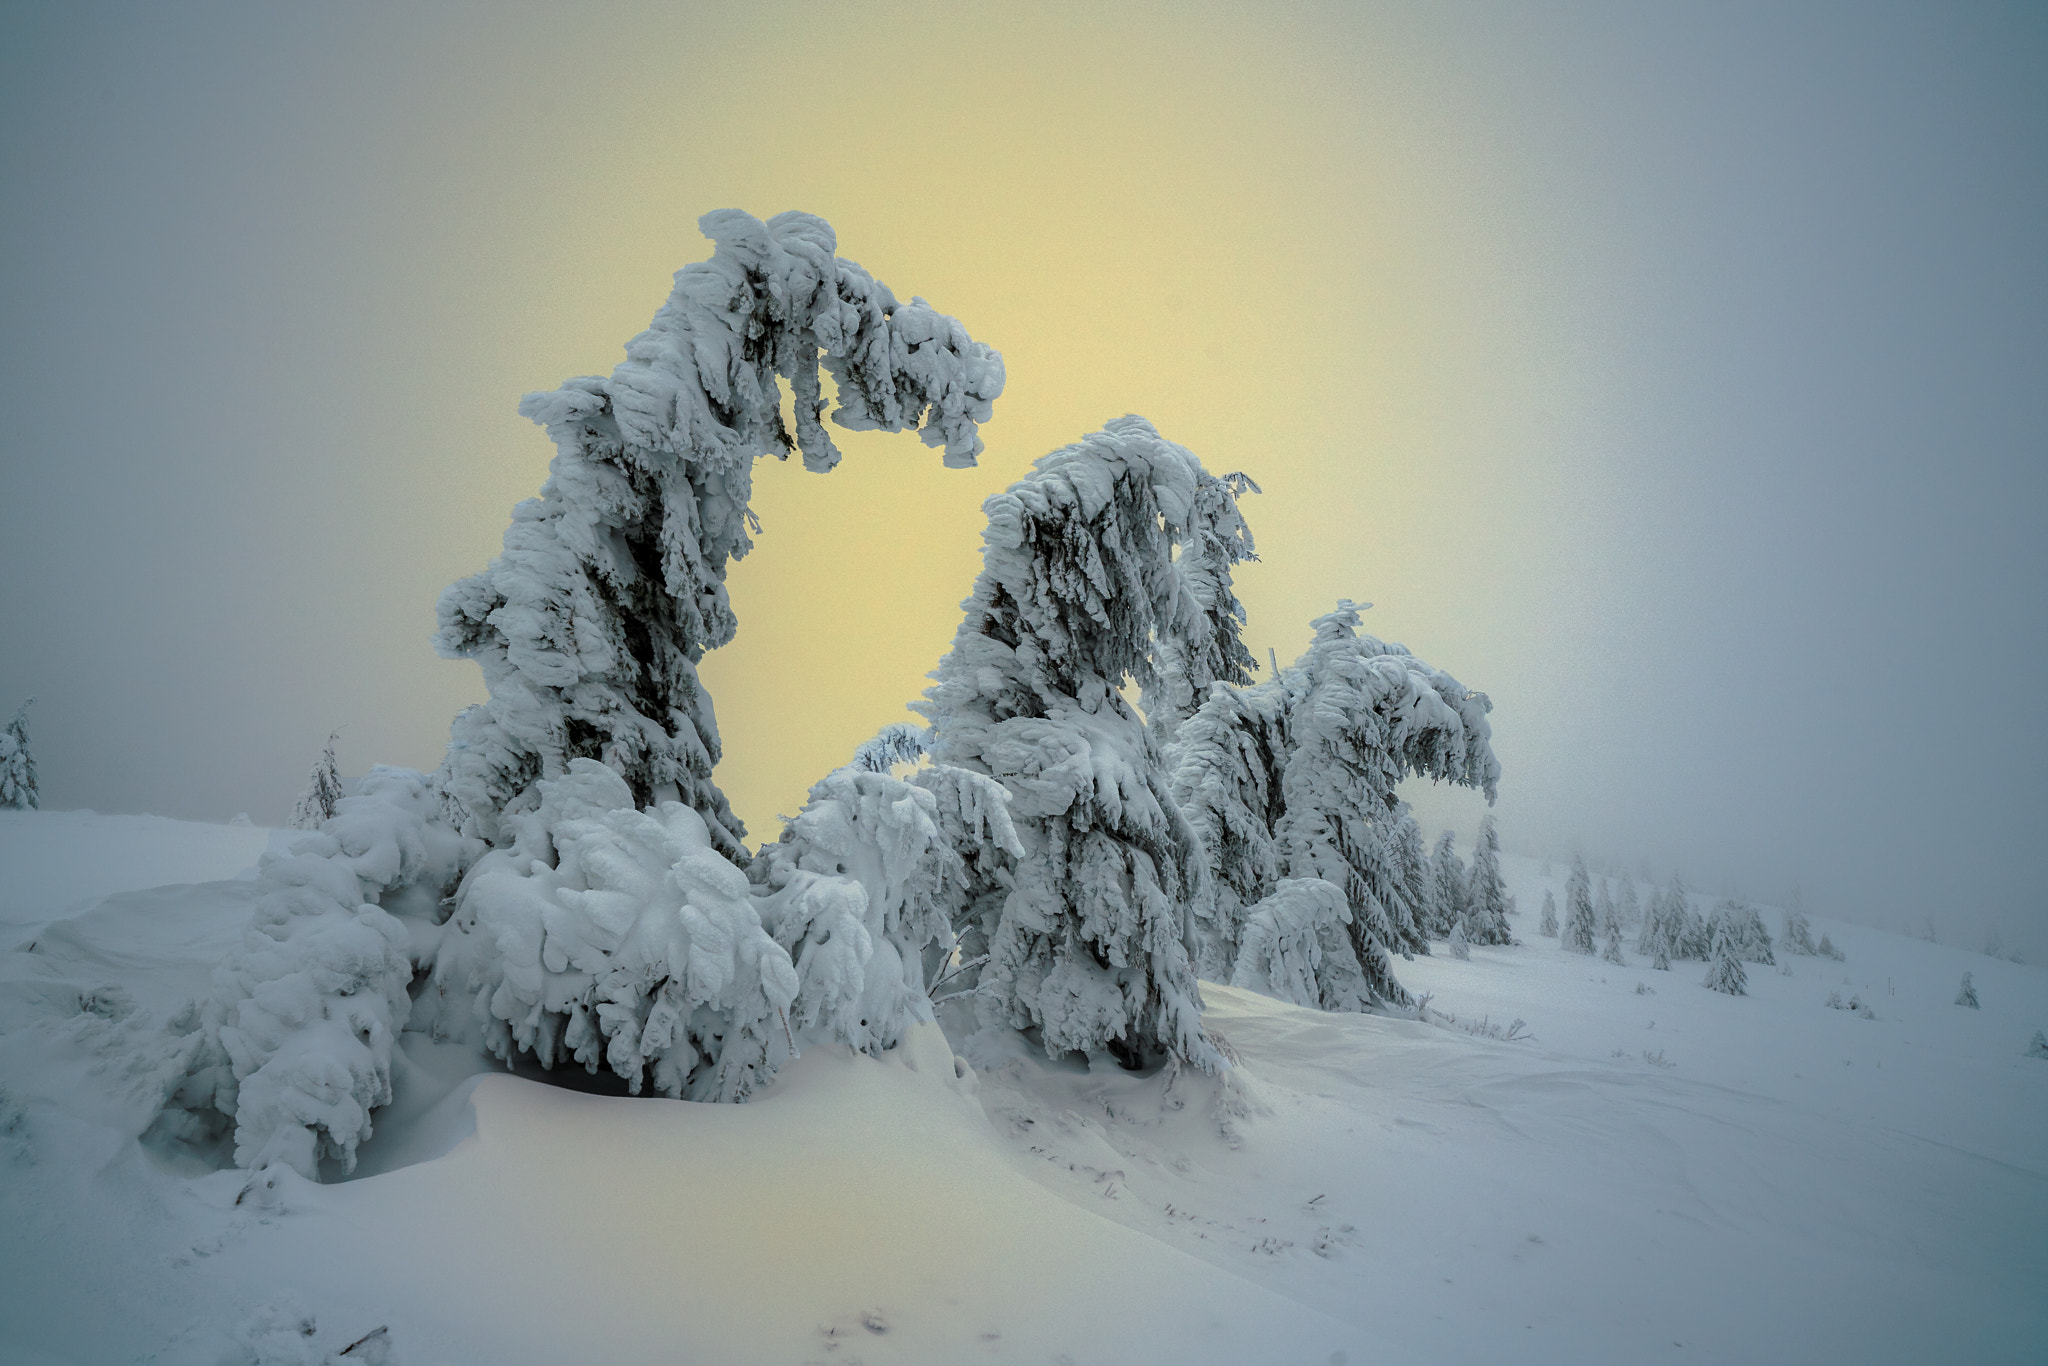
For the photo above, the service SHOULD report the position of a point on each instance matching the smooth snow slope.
(54, 862)
(1786, 1182)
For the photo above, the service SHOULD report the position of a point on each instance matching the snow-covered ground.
(1666, 1175)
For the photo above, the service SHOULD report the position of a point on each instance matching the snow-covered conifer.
(1186, 665)
(2038, 1047)
(1295, 948)
(1612, 953)
(1628, 911)
(1604, 912)
(1092, 948)
(1745, 927)
(323, 791)
(1548, 925)
(1486, 897)
(1579, 924)
(611, 586)
(1447, 886)
(1797, 935)
(1411, 864)
(1724, 972)
(17, 765)
(1826, 948)
(1967, 996)
(1295, 778)
(1661, 958)
(297, 1034)
(1460, 947)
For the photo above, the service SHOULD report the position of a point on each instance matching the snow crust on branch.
(1296, 948)
(611, 586)
(296, 1038)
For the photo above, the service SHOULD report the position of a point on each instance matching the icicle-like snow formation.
(611, 586)
(1077, 582)
(296, 1039)
(1295, 778)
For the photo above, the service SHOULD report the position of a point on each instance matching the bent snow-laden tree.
(611, 586)
(1295, 778)
(1091, 947)
(1185, 665)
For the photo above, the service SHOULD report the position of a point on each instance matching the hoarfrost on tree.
(1577, 934)
(323, 791)
(17, 765)
(1724, 971)
(1092, 943)
(611, 586)
(1486, 894)
(1296, 778)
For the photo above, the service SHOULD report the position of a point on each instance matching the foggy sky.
(1678, 375)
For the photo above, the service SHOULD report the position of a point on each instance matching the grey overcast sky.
(1678, 374)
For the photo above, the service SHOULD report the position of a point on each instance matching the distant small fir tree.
(1578, 910)
(1661, 960)
(1612, 953)
(2039, 1047)
(17, 765)
(1549, 923)
(1968, 995)
(1827, 949)
(1724, 972)
(323, 789)
(1460, 947)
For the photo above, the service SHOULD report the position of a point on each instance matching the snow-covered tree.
(17, 765)
(1486, 894)
(1333, 734)
(1093, 944)
(1184, 666)
(2038, 1046)
(1826, 948)
(1447, 886)
(1797, 935)
(1579, 923)
(1228, 759)
(1459, 946)
(1628, 911)
(1604, 912)
(323, 791)
(1296, 948)
(1548, 925)
(1724, 971)
(296, 1036)
(1745, 928)
(1612, 953)
(1660, 957)
(1967, 996)
(611, 586)
(1411, 863)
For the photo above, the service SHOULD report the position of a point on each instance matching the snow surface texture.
(1664, 1175)
(611, 586)
(1092, 947)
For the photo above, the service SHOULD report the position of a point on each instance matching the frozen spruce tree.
(1627, 910)
(1745, 927)
(1724, 970)
(611, 585)
(1486, 897)
(1579, 923)
(1548, 925)
(1612, 953)
(2038, 1046)
(323, 791)
(1604, 911)
(1968, 995)
(1796, 935)
(17, 765)
(1093, 945)
(1459, 946)
(1447, 887)
(1295, 778)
